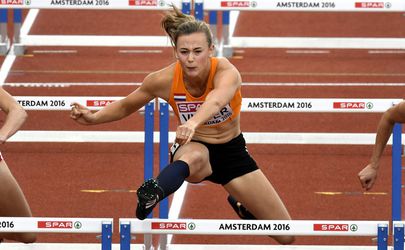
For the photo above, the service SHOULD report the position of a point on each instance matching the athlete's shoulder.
(162, 76)
(224, 64)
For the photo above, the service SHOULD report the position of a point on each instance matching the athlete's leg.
(13, 203)
(240, 210)
(191, 163)
(196, 155)
(257, 194)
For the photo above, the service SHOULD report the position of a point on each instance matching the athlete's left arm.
(227, 81)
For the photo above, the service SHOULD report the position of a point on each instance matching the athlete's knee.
(198, 163)
(195, 157)
(285, 240)
(198, 176)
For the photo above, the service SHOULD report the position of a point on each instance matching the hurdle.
(149, 137)
(4, 39)
(225, 48)
(101, 226)
(248, 105)
(22, 39)
(251, 227)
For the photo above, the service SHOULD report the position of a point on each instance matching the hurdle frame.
(248, 105)
(226, 46)
(20, 41)
(245, 227)
(60, 225)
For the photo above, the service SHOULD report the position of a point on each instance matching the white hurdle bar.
(249, 227)
(91, 4)
(24, 39)
(304, 5)
(248, 104)
(59, 225)
(229, 42)
(309, 105)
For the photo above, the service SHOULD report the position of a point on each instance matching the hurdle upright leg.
(382, 237)
(163, 151)
(186, 7)
(163, 161)
(396, 172)
(4, 46)
(148, 146)
(148, 153)
(17, 20)
(125, 235)
(213, 21)
(398, 235)
(106, 236)
(226, 47)
(199, 9)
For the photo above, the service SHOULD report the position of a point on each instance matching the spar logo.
(372, 5)
(188, 107)
(352, 105)
(143, 2)
(335, 227)
(98, 103)
(12, 2)
(77, 225)
(169, 226)
(55, 224)
(241, 4)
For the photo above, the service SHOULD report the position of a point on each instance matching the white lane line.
(140, 51)
(6, 66)
(62, 84)
(66, 51)
(307, 51)
(386, 51)
(233, 19)
(29, 21)
(176, 205)
(309, 84)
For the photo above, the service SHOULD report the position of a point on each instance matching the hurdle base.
(4, 47)
(227, 51)
(19, 49)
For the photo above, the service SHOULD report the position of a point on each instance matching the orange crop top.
(185, 105)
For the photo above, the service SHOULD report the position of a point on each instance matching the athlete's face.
(193, 53)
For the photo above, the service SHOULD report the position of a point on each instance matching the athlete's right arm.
(15, 118)
(118, 109)
(395, 114)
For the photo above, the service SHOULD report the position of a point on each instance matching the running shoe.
(240, 210)
(149, 194)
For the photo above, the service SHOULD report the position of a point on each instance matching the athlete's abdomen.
(218, 134)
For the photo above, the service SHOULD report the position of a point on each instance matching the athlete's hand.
(367, 176)
(185, 133)
(81, 114)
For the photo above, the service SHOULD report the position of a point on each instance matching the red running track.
(53, 174)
